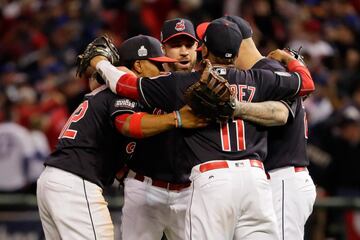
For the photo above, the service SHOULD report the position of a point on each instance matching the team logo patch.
(228, 55)
(142, 52)
(130, 148)
(180, 26)
(221, 71)
(283, 74)
(125, 103)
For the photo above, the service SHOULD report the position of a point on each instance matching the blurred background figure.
(22, 153)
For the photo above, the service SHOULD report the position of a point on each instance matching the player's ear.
(196, 44)
(138, 66)
(204, 51)
(163, 49)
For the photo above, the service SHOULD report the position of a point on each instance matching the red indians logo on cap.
(180, 26)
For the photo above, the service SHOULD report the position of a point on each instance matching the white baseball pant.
(230, 200)
(72, 208)
(150, 211)
(294, 196)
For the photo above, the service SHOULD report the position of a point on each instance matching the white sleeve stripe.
(122, 111)
(288, 107)
(109, 73)
(142, 93)
(299, 83)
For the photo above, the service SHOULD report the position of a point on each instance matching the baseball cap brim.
(162, 59)
(201, 29)
(179, 34)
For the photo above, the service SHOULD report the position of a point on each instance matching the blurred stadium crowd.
(40, 40)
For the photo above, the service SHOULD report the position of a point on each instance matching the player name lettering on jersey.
(125, 103)
(244, 93)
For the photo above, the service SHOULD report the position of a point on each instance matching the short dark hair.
(128, 63)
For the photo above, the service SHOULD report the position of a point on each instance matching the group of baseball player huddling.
(187, 173)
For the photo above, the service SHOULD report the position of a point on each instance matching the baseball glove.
(211, 97)
(296, 54)
(100, 46)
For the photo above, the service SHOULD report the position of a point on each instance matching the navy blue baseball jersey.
(232, 140)
(154, 156)
(293, 133)
(90, 145)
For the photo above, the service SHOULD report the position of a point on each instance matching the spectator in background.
(335, 150)
(344, 147)
(20, 162)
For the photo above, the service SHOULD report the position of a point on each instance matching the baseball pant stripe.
(88, 206)
(192, 195)
(283, 210)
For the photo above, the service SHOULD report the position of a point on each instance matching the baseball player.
(180, 43)
(225, 158)
(293, 189)
(89, 153)
(156, 191)
(87, 157)
(162, 178)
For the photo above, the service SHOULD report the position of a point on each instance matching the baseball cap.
(243, 25)
(143, 47)
(221, 37)
(176, 27)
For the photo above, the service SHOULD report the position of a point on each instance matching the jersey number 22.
(78, 114)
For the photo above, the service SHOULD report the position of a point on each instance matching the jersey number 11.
(225, 128)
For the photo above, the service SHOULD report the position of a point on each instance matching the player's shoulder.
(160, 79)
(177, 78)
(163, 75)
(98, 92)
(103, 97)
(237, 76)
(269, 64)
(184, 75)
(14, 129)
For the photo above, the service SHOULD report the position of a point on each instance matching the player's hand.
(97, 59)
(190, 120)
(100, 46)
(281, 56)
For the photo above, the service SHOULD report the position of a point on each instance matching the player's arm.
(159, 92)
(142, 125)
(295, 66)
(120, 81)
(269, 113)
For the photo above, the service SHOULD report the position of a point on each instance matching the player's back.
(293, 133)
(237, 139)
(232, 140)
(89, 145)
